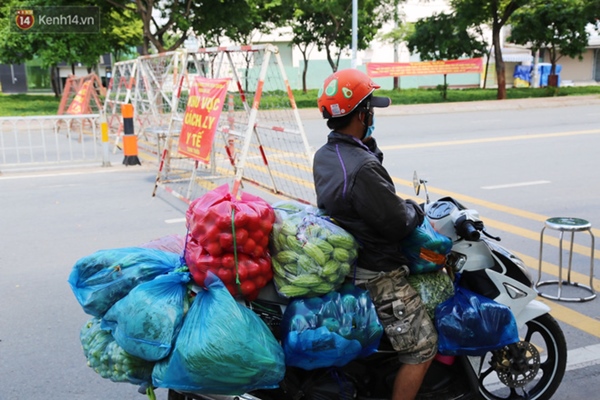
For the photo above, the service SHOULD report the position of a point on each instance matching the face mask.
(370, 128)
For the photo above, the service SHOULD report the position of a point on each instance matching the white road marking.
(512, 185)
(98, 171)
(174, 220)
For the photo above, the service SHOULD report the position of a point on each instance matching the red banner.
(379, 70)
(201, 117)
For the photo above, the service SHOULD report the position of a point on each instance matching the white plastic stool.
(565, 224)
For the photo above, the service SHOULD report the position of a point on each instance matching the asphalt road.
(516, 165)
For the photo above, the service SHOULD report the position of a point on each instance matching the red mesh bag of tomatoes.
(230, 237)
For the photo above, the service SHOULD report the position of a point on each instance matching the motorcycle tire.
(521, 380)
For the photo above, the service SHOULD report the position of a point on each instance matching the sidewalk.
(450, 107)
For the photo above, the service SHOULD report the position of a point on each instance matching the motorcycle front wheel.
(535, 373)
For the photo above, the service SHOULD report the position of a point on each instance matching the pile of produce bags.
(169, 313)
(156, 325)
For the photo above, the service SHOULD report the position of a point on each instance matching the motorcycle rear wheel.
(544, 334)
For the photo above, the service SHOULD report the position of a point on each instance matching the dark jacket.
(356, 190)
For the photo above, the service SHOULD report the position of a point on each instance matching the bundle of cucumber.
(310, 254)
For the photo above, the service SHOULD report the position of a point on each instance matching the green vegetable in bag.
(311, 255)
(433, 287)
(108, 359)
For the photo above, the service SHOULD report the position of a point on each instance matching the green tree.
(329, 24)
(117, 33)
(397, 35)
(302, 23)
(444, 37)
(556, 25)
(496, 14)
(166, 24)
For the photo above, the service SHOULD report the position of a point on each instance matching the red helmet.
(344, 90)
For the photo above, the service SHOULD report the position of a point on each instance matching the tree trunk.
(500, 69)
(53, 82)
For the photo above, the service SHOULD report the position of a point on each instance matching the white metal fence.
(50, 141)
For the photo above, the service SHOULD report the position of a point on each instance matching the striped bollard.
(130, 147)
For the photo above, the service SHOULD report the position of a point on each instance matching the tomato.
(226, 275)
(265, 266)
(249, 246)
(242, 271)
(214, 249)
(260, 281)
(223, 222)
(241, 235)
(248, 287)
(266, 225)
(226, 240)
(253, 268)
(228, 261)
(240, 219)
(265, 241)
(254, 223)
(256, 235)
(258, 251)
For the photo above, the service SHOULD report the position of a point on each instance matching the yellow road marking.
(568, 316)
(489, 140)
(552, 269)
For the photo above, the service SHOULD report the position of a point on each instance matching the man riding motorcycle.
(354, 188)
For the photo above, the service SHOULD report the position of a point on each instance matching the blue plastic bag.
(471, 324)
(146, 322)
(425, 248)
(222, 348)
(331, 330)
(101, 279)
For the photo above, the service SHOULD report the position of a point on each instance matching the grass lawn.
(28, 104)
(32, 104)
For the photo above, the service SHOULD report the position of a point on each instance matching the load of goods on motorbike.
(173, 313)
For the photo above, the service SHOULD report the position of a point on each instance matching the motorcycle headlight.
(456, 261)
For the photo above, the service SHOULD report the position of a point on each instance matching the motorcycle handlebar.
(467, 229)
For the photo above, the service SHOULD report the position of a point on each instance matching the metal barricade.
(50, 141)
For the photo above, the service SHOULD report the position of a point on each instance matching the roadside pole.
(104, 137)
(535, 76)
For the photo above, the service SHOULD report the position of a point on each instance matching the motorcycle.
(532, 368)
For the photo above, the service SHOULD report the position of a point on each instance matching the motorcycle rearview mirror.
(417, 185)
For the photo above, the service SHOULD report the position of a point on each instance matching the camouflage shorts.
(403, 316)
